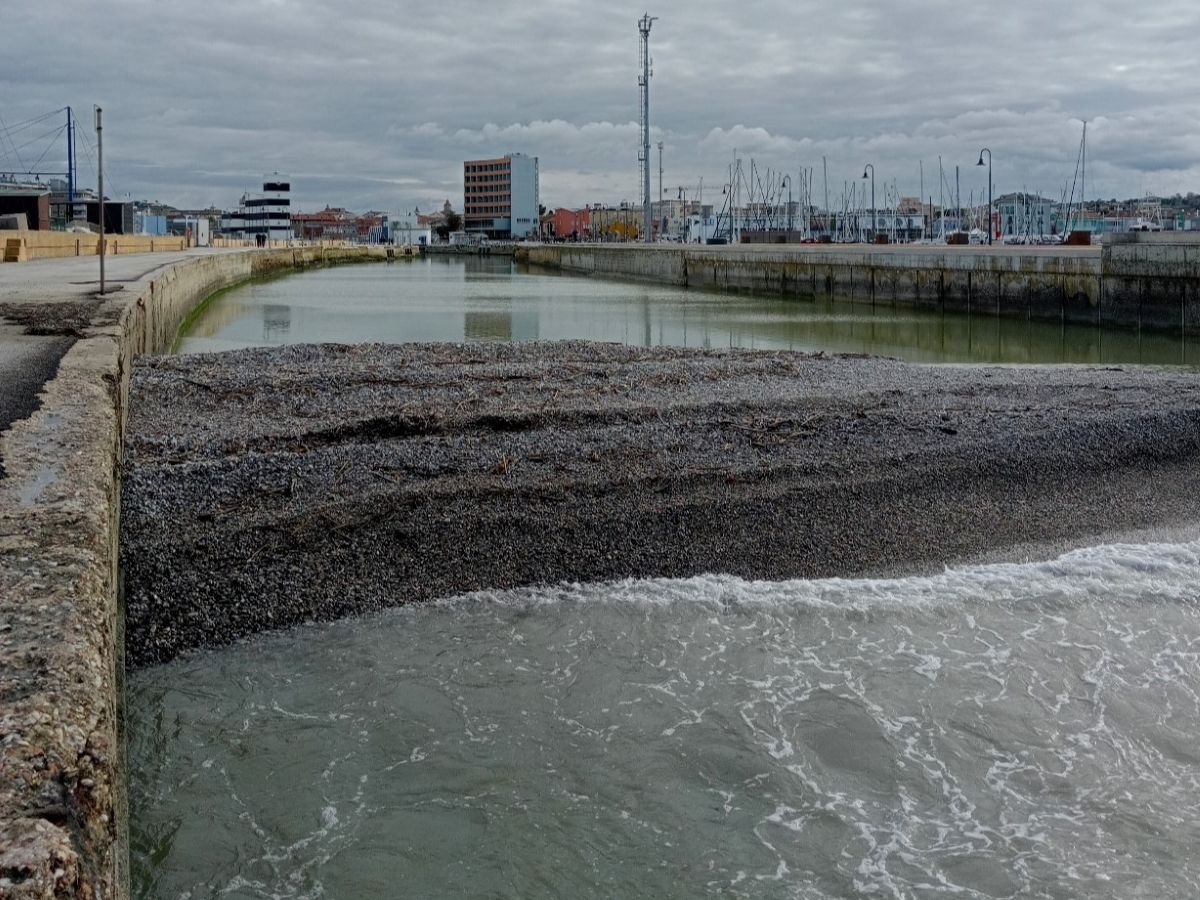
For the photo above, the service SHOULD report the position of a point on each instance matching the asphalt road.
(45, 306)
(26, 363)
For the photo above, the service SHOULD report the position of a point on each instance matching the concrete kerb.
(63, 822)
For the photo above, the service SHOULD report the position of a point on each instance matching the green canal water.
(1022, 729)
(492, 299)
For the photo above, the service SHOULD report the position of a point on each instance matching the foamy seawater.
(1011, 730)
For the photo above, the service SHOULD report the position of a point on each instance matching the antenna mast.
(644, 82)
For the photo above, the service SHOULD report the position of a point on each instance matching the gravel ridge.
(268, 487)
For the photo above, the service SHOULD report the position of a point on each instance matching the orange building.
(570, 224)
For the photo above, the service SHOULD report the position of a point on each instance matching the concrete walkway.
(45, 305)
(62, 783)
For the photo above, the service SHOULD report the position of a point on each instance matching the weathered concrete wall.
(1139, 284)
(1153, 279)
(62, 789)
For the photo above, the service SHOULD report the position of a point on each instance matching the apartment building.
(500, 196)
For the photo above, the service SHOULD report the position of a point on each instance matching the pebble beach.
(268, 487)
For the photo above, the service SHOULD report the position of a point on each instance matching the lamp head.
(980, 163)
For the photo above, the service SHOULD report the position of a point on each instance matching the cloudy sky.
(376, 104)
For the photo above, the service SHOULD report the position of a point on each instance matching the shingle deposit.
(268, 487)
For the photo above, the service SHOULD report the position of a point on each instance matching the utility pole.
(644, 81)
(100, 188)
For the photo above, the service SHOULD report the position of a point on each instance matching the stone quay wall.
(1134, 281)
(63, 819)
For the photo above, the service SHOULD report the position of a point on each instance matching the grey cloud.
(375, 105)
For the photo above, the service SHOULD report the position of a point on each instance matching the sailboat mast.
(825, 174)
(70, 164)
(941, 201)
(1083, 173)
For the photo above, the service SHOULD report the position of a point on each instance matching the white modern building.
(701, 228)
(268, 214)
(409, 231)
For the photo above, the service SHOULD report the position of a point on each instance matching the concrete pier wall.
(1153, 278)
(1141, 283)
(63, 823)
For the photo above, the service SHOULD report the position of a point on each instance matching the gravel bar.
(268, 487)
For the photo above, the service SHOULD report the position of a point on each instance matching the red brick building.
(330, 224)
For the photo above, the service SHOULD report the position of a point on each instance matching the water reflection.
(277, 322)
(491, 299)
(499, 325)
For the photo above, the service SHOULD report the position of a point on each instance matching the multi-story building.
(371, 227)
(268, 214)
(1025, 215)
(616, 223)
(500, 196)
(328, 224)
(409, 229)
(568, 224)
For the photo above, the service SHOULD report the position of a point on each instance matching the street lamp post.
(980, 163)
(872, 168)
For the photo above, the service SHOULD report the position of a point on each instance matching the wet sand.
(269, 487)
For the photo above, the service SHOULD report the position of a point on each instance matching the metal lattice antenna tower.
(644, 81)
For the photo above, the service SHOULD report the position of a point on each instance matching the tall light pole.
(872, 168)
(980, 163)
(100, 187)
(644, 81)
